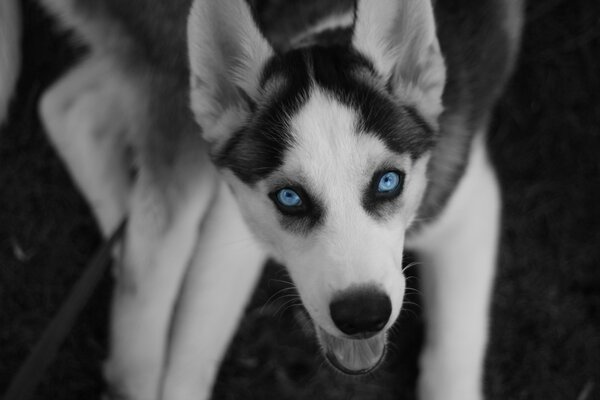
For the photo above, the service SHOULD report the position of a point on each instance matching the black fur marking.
(304, 219)
(256, 150)
(379, 204)
(336, 70)
(419, 120)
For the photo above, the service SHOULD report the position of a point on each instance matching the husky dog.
(330, 159)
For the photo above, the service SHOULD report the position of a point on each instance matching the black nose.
(363, 310)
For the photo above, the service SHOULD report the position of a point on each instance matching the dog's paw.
(443, 378)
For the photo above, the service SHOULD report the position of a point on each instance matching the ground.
(545, 333)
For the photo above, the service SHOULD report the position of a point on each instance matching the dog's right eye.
(290, 201)
(288, 198)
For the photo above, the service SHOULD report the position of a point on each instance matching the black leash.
(29, 375)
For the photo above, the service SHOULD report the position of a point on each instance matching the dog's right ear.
(227, 53)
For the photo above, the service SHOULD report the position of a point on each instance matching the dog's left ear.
(227, 53)
(400, 37)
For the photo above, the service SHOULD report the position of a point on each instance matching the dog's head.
(326, 151)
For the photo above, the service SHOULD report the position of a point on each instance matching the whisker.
(282, 307)
(412, 264)
(411, 312)
(281, 281)
(291, 304)
(411, 303)
(275, 296)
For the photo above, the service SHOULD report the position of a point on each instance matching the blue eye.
(388, 182)
(288, 198)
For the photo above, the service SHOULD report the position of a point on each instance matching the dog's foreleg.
(459, 251)
(86, 116)
(219, 281)
(161, 234)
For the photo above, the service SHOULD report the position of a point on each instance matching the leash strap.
(29, 375)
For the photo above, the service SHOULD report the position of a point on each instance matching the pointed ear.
(400, 37)
(227, 53)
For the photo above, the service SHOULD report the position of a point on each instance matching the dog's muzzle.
(360, 314)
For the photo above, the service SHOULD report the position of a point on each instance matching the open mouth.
(353, 356)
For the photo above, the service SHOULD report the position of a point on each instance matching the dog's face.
(328, 164)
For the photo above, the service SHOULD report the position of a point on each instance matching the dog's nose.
(361, 311)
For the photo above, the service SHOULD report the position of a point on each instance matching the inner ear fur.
(400, 37)
(226, 54)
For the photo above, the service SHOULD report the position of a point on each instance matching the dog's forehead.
(329, 145)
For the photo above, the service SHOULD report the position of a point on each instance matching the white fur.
(221, 276)
(10, 34)
(159, 243)
(91, 116)
(334, 21)
(83, 116)
(331, 22)
(459, 251)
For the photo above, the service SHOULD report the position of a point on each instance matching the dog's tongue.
(351, 356)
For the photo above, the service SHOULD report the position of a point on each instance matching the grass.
(545, 333)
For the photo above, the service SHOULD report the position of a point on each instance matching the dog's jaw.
(353, 356)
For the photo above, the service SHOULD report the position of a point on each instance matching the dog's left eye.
(386, 185)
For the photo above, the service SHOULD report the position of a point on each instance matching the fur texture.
(325, 123)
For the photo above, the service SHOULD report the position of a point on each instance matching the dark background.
(545, 335)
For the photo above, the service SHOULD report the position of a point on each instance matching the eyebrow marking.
(258, 148)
